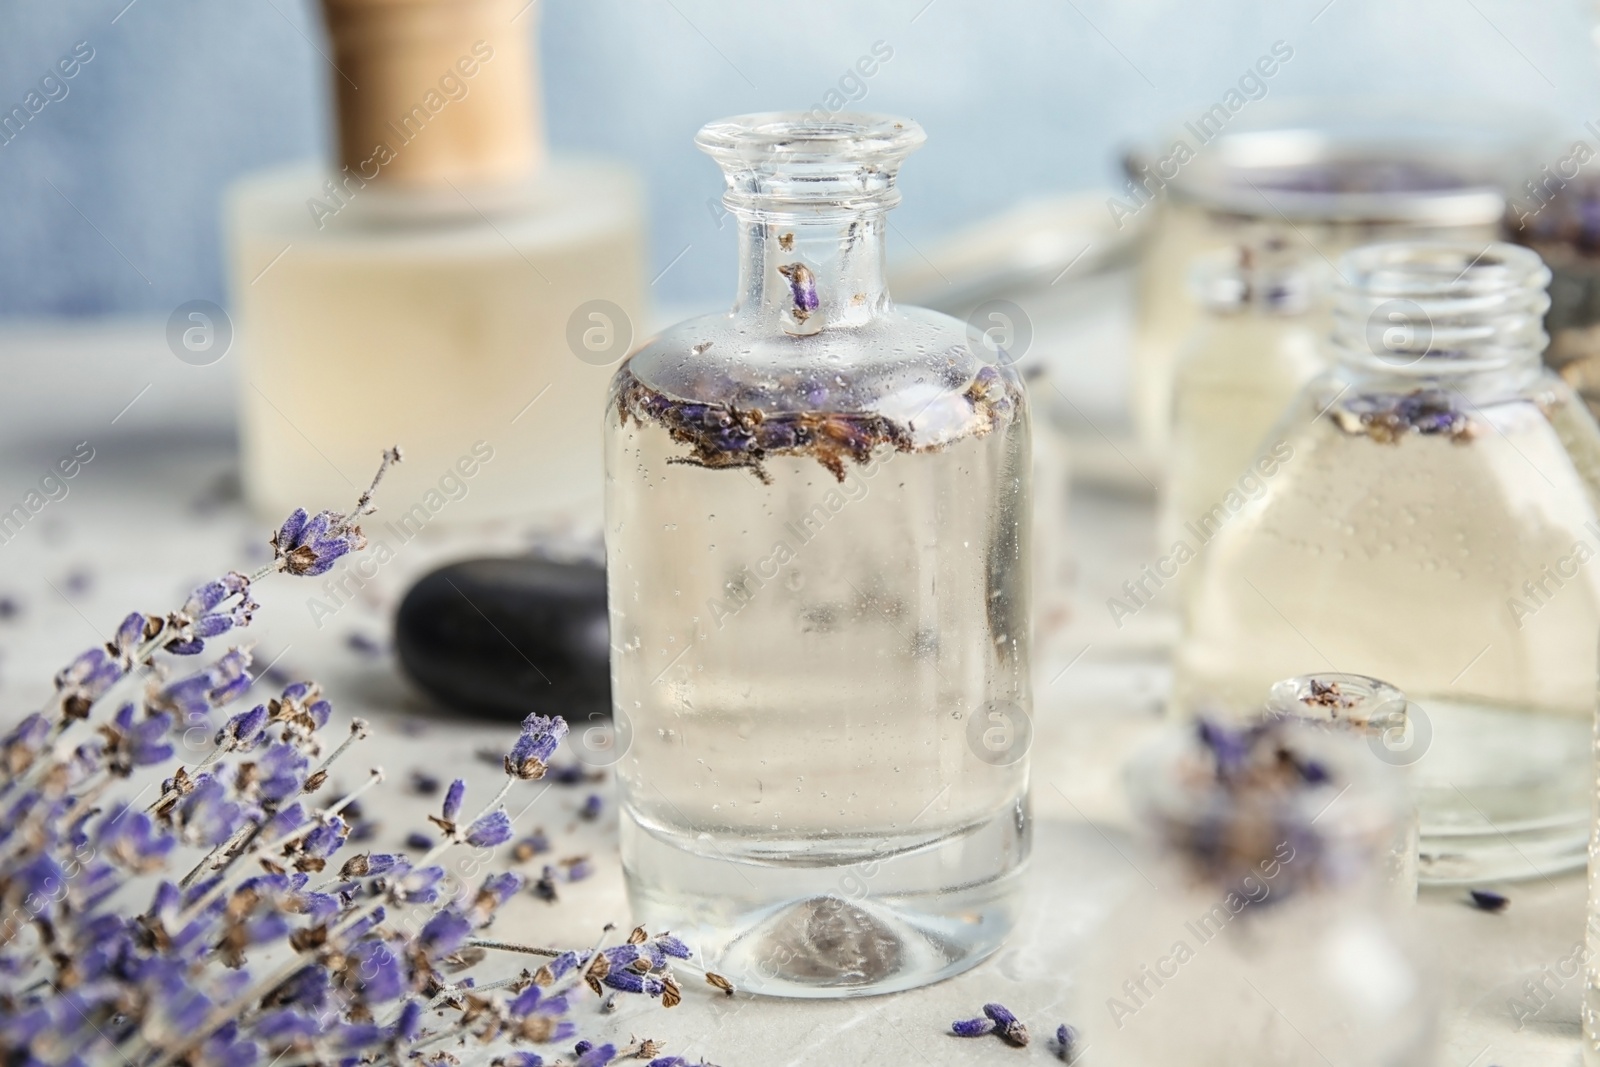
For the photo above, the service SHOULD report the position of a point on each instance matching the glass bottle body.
(817, 554)
(1429, 524)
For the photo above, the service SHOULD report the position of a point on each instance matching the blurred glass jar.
(1261, 930)
(1430, 523)
(1561, 222)
(1327, 176)
(1251, 353)
(1377, 714)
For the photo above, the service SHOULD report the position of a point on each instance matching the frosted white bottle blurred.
(449, 289)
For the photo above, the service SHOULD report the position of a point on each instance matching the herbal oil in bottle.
(1253, 351)
(1434, 526)
(817, 518)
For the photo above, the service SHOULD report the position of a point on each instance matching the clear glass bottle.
(817, 510)
(1254, 350)
(1258, 928)
(1377, 714)
(447, 287)
(1431, 522)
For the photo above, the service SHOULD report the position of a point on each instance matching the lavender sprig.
(279, 945)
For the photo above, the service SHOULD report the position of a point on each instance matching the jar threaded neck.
(1429, 309)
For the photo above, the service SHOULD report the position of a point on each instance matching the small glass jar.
(1252, 352)
(1325, 175)
(817, 510)
(1377, 714)
(1258, 929)
(1431, 522)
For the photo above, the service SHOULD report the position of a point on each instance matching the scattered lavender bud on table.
(971, 1027)
(423, 784)
(1066, 1042)
(1007, 1025)
(1488, 900)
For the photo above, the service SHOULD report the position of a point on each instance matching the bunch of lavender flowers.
(220, 918)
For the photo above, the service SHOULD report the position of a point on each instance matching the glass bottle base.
(869, 917)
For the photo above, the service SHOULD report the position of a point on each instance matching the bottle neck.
(1456, 314)
(811, 271)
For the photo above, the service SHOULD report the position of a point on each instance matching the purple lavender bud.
(452, 799)
(128, 635)
(309, 547)
(86, 677)
(1230, 747)
(286, 821)
(285, 1026)
(564, 963)
(581, 1047)
(352, 1037)
(146, 743)
(245, 728)
(501, 887)
(130, 839)
(598, 1056)
(383, 862)
(420, 841)
(971, 1027)
(668, 1061)
(579, 869)
(673, 947)
(490, 830)
(193, 697)
(592, 806)
(443, 934)
(1488, 900)
(630, 981)
(326, 839)
(408, 1026)
(424, 784)
(520, 1059)
(207, 816)
(530, 756)
(1007, 1025)
(281, 771)
(270, 926)
(422, 884)
(802, 287)
(319, 710)
(525, 1002)
(375, 972)
(1066, 1042)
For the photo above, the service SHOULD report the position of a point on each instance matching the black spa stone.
(501, 638)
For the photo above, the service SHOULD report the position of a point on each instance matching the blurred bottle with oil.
(445, 285)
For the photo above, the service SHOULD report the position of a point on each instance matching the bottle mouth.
(790, 160)
(1425, 308)
(1367, 707)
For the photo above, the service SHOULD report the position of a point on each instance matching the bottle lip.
(790, 162)
(1356, 703)
(797, 137)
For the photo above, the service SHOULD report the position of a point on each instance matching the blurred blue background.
(109, 195)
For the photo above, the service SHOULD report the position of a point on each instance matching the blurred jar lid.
(1349, 160)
